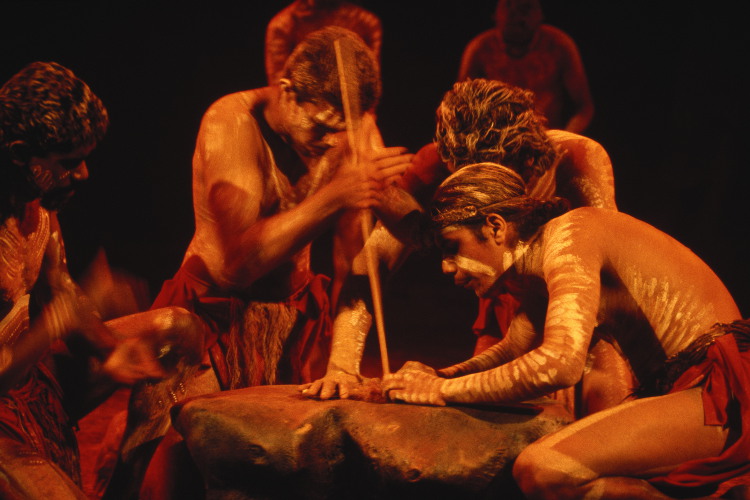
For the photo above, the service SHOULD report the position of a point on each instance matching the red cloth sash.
(726, 401)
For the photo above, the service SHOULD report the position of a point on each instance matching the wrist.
(446, 389)
(343, 368)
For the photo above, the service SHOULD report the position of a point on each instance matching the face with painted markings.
(476, 256)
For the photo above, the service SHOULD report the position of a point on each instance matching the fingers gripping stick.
(352, 115)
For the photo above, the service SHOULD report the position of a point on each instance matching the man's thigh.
(640, 438)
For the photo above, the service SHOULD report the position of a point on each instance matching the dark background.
(667, 78)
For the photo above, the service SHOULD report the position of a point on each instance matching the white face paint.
(314, 128)
(475, 264)
(475, 267)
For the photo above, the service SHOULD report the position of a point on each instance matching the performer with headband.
(578, 275)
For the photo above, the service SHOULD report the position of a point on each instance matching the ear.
(498, 227)
(20, 153)
(286, 85)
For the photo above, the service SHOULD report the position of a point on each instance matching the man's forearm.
(273, 240)
(350, 327)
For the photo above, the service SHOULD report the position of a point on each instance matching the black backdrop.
(667, 78)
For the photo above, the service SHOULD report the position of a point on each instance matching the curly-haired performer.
(57, 358)
(579, 274)
(487, 120)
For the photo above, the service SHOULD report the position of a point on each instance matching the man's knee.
(180, 319)
(542, 473)
(185, 329)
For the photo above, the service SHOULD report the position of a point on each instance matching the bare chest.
(22, 245)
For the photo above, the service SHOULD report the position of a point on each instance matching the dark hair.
(475, 191)
(312, 68)
(50, 109)
(483, 120)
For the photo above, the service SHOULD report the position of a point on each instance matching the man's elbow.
(566, 376)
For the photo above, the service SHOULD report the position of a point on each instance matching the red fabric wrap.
(308, 344)
(725, 376)
(495, 315)
(33, 416)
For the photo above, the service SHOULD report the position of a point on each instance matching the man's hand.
(361, 186)
(386, 165)
(414, 383)
(133, 360)
(332, 384)
(154, 344)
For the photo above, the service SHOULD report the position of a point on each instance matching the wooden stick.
(354, 132)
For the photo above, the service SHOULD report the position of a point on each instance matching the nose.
(449, 266)
(81, 172)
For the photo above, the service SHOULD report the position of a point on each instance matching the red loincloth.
(33, 420)
(308, 346)
(725, 376)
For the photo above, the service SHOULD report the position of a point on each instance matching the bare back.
(592, 270)
(627, 279)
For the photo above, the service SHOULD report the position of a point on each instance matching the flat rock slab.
(272, 442)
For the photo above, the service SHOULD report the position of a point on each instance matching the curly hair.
(475, 191)
(484, 120)
(47, 108)
(50, 109)
(313, 70)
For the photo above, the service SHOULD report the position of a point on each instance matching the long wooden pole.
(354, 132)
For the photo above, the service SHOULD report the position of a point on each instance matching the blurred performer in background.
(58, 359)
(522, 51)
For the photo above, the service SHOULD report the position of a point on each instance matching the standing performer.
(522, 51)
(578, 275)
(270, 173)
(58, 360)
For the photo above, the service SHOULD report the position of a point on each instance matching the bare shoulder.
(570, 140)
(579, 152)
(231, 106)
(557, 37)
(577, 237)
(230, 146)
(584, 222)
(482, 40)
(602, 223)
(228, 119)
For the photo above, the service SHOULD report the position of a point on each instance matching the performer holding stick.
(272, 171)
